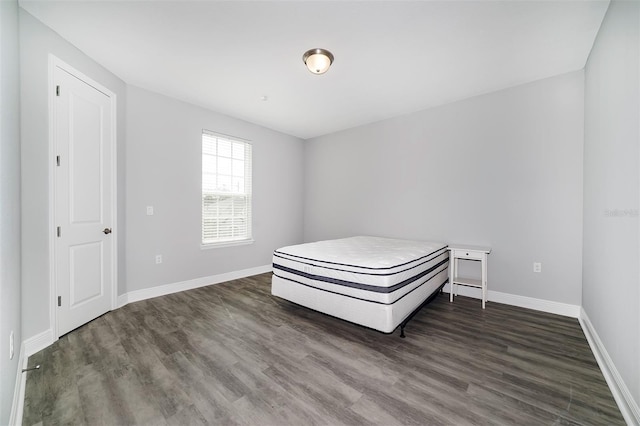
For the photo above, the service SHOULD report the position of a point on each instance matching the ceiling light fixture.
(318, 60)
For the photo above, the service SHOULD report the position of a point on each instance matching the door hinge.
(58, 160)
(58, 231)
(57, 90)
(59, 300)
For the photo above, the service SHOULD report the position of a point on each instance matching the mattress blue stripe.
(368, 287)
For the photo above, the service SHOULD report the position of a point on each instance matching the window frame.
(247, 193)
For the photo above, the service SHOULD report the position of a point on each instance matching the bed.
(372, 281)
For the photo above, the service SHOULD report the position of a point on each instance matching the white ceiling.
(391, 57)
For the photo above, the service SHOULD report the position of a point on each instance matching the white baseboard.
(148, 293)
(628, 406)
(27, 348)
(38, 342)
(548, 306)
(17, 407)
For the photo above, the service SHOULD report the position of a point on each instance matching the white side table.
(475, 253)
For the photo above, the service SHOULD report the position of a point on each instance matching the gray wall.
(10, 316)
(36, 42)
(164, 159)
(611, 289)
(503, 169)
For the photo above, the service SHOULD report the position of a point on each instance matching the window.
(226, 189)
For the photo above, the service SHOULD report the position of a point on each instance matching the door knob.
(107, 230)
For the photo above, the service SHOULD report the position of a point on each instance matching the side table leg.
(484, 280)
(451, 275)
(455, 271)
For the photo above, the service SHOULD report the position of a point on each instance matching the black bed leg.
(415, 311)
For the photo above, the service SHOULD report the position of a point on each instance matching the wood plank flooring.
(234, 354)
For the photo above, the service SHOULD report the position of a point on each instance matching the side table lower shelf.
(468, 282)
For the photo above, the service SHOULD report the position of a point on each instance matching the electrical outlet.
(11, 347)
(158, 259)
(537, 267)
(149, 210)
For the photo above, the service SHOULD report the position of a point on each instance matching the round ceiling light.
(318, 61)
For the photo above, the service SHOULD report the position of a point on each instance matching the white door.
(82, 120)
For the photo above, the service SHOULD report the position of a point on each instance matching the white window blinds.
(226, 189)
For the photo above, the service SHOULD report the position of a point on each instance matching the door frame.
(54, 63)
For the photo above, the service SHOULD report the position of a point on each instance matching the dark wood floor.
(233, 354)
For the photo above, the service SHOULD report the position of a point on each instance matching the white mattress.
(369, 268)
(372, 281)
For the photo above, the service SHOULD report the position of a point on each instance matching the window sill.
(226, 244)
